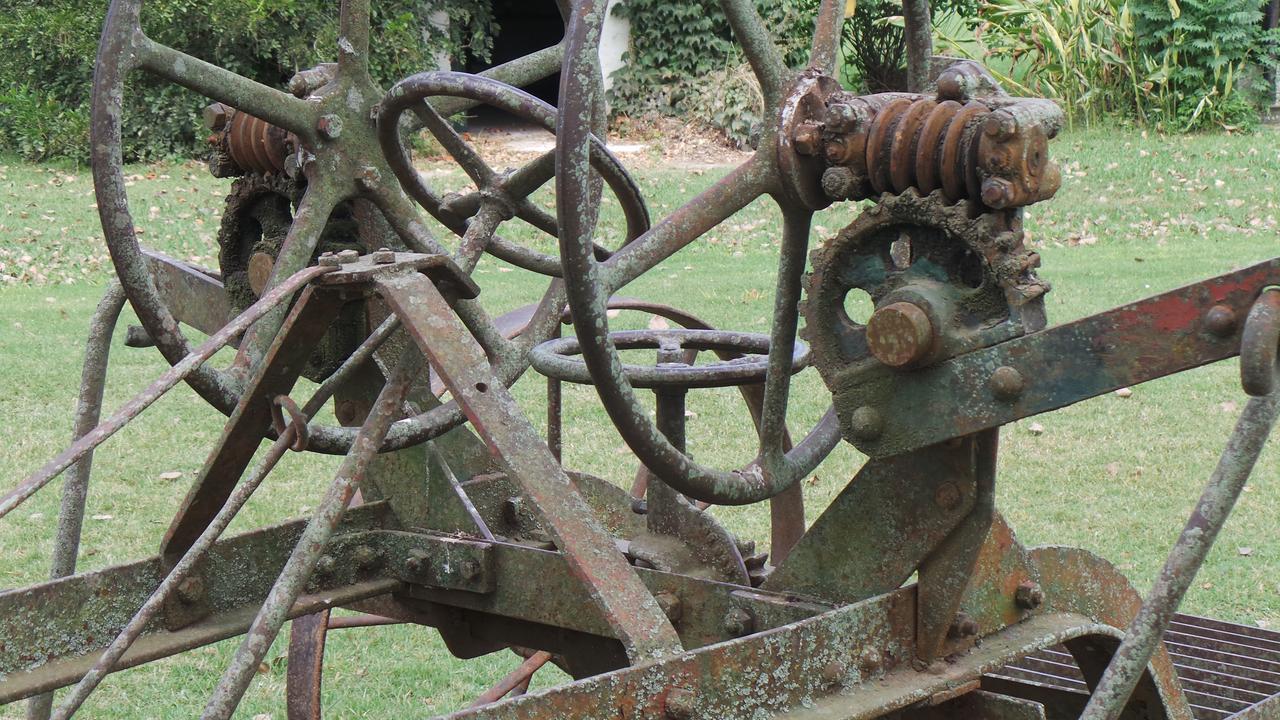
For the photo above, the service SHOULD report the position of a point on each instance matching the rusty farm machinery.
(909, 597)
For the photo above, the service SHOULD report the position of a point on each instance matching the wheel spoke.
(763, 55)
(519, 72)
(694, 219)
(406, 222)
(826, 36)
(353, 36)
(460, 150)
(263, 102)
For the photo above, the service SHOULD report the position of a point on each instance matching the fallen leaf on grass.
(1035, 429)
(1246, 551)
(104, 517)
(1124, 393)
(170, 475)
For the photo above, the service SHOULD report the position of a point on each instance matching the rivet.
(866, 423)
(833, 672)
(1007, 383)
(963, 626)
(1220, 320)
(947, 496)
(326, 565)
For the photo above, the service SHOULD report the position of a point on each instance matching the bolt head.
(469, 569)
(1007, 383)
(1029, 595)
(1000, 126)
(997, 193)
(842, 118)
(215, 116)
(329, 126)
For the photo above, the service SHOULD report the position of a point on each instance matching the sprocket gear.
(969, 268)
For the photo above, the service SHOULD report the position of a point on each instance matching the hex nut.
(806, 139)
(670, 604)
(328, 259)
(216, 116)
(383, 256)
(839, 183)
(1029, 595)
(366, 558)
(346, 257)
(329, 126)
(680, 704)
(739, 622)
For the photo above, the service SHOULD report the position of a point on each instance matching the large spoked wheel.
(341, 157)
(777, 170)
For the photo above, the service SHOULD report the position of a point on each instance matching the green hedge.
(47, 50)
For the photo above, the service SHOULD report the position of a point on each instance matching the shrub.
(1207, 56)
(683, 60)
(47, 50)
(874, 46)
(1080, 52)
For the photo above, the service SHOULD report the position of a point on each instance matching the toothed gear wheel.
(906, 244)
(256, 218)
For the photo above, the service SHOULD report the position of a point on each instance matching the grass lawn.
(1137, 215)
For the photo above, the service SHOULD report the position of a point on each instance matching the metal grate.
(1226, 669)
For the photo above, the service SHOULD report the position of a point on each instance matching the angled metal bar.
(251, 421)
(171, 377)
(93, 380)
(632, 612)
(1185, 559)
(315, 538)
(1148, 339)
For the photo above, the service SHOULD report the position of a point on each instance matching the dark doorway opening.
(524, 27)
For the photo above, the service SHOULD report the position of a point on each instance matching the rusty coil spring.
(926, 145)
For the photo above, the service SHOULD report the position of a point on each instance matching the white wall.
(615, 37)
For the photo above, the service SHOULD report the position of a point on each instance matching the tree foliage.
(47, 51)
